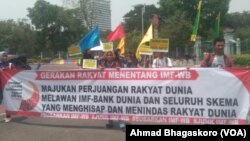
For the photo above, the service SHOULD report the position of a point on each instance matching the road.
(51, 129)
(46, 129)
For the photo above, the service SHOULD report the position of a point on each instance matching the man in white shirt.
(218, 58)
(162, 61)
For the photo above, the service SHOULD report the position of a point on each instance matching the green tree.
(175, 29)
(25, 42)
(133, 19)
(56, 28)
(6, 34)
(132, 41)
(133, 24)
(182, 13)
(238, 20)
(84, 10)
(19, 37)
(209, 11)
(240, 23)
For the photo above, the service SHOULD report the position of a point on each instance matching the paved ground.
(1, 110)
(46, 129)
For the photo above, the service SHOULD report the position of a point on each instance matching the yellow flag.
(121, 46)
(147, 37)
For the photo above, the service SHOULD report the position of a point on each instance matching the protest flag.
(196, 23)
(91, 40)
(118, 33)
(147, 37)
(121, 46)
(216, 31)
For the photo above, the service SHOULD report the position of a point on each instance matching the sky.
(17, 9)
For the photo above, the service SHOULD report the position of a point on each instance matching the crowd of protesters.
(113, 59)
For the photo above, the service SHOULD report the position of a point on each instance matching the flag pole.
(142, 20)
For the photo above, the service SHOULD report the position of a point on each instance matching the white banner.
(174, 95)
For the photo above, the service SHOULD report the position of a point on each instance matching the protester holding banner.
(86, 55)
(4, 64)
(131, 60)
(218, 58)
(1, 92)
(120, 58)
(20, 63)
(161, 61)
(109, 61)
(145, 61)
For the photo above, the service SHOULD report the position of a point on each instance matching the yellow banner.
(107, 46)
(159, 45)
(73, 50)
(89, 63)
(145, 50)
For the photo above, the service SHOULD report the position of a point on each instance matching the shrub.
(241, 60)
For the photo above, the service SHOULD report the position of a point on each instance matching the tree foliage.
(133, 39)
(133, 24)
(18, 37)
(57, 28)
(240, 23)
(209, 11)
(176, 20)
(177, 30)
(133, 19)
(87, 14)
